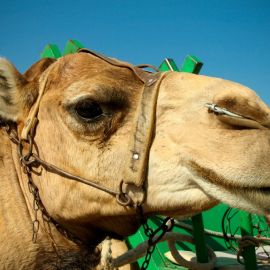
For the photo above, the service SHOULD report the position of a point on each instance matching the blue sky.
(231, 37)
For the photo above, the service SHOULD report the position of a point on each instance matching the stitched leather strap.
(142, 135)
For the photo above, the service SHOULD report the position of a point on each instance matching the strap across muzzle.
(142, 135)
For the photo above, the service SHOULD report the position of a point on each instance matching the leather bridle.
(138, 151)
(140, 140)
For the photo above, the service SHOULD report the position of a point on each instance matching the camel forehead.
(83, 61)
(81, 68)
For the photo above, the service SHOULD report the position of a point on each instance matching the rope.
(171, 237)
(246, 241)
(106, 258)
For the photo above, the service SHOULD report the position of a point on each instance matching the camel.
(148, 138)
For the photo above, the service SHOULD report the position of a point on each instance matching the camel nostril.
(234, 119)
(247, 108)
(222, 111)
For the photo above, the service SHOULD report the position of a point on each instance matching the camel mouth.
(250, 189)
(264, 190)
(212, 177)
(261, 190)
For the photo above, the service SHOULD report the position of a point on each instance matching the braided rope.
(246, 241)
(171, 237)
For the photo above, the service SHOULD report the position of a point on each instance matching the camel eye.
(88, 110)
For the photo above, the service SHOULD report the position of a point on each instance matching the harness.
(140, 141)
(138, 151)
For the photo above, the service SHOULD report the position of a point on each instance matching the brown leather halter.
(135, 173)
(140, 141)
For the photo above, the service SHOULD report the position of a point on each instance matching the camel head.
(86, 119)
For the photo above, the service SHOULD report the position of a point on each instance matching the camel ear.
(18, 92)
(34, 72)
(11, 83)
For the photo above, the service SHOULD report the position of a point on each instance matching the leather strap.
(147, 78)
(32, 120)
(142, 135)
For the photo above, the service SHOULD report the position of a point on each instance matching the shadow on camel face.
(86, 119)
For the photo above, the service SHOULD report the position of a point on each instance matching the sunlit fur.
(197, 158)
